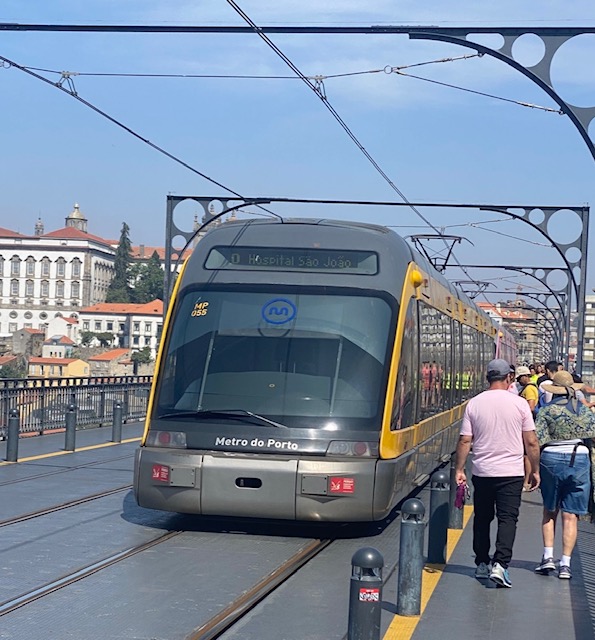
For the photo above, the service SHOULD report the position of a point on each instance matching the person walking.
(528, 391)
(500, 426)
(565, 468)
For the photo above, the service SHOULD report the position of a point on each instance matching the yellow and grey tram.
(309, 370)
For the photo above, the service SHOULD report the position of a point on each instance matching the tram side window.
(457, 352)
(405, 400)
(468, 374)
(434, 359)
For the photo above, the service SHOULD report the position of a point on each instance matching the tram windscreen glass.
(284, 259)
(297, 358)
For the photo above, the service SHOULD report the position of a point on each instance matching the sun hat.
(562, 383)
(522, 371)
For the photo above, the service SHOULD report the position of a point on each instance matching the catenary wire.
(334, 113)
(113, 120)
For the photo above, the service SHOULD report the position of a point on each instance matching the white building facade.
(49, 275)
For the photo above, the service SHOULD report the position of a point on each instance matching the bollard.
(411, 558)
(117, 422)
(70, 428)
(365, 595)
(12, 446)
(438, 520)
(455, 515)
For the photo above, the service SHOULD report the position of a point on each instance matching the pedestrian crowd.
(531, 429)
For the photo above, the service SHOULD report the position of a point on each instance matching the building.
(54, 274)
(588, 365)
(28, 342)
(133, 326)
(526, 325)
(58, 368)
(115, 362)
(57, 347)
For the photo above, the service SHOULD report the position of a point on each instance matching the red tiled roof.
(108, 356)
(72, 232)
(8, 233)
(147, 252)
(127, 308)
(35, 331)
(52, 360)
(6, 359)
(59, 340)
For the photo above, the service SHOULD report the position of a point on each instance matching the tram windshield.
(299, 359)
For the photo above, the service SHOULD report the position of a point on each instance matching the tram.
(310, 369)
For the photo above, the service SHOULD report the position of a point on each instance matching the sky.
(272, 136)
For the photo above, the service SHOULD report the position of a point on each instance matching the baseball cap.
(522, 371)
(498, 368)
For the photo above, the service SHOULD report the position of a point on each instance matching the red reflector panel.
(160, 473)
(341, 485)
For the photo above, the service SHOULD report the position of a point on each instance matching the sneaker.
(546, 565)
(482, 571)
(500, 576)
(564, 573)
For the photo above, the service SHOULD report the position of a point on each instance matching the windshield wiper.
(234, 414)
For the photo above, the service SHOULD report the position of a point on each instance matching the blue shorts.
(565, 487)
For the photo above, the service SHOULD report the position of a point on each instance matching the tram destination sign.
(286, 259)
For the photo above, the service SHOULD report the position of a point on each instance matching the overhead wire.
(335, 115)
(113, 120)
(318, 79)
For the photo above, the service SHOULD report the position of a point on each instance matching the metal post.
(117, 422)
(102, 405)
(455, 516)
(12, 446)
(365, 595)
(70, 440)
(438, 520)
(411, 558)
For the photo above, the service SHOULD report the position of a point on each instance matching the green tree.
(106, 339)
(119, 289)
(86, 337)
(148, 279)
(141, 357)
(14, 370)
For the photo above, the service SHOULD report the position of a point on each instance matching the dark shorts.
(565, 487)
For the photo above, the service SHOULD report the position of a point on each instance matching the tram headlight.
(169, 439)
(353, 449)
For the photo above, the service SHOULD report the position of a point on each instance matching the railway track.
(63, 470)
(64, 505)
(218, 624)
(44, 590)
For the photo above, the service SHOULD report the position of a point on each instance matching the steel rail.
(64, 505)
(214, 627)
(63, 470)
(84, 572)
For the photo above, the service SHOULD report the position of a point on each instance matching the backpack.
(573, 405)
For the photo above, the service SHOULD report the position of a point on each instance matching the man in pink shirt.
(498, 423)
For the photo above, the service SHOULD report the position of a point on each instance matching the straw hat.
(562, 383)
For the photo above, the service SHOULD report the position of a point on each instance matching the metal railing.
(42, 403)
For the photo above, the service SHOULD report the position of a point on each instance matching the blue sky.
(273, 137)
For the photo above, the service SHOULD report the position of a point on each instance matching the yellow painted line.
(402, 627)
(63, 453)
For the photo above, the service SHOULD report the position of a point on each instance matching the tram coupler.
(411, 558)
(12, 446)
(455, 514)
(70, 439)
(117, 422)
(438, 520)
(365, 595)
